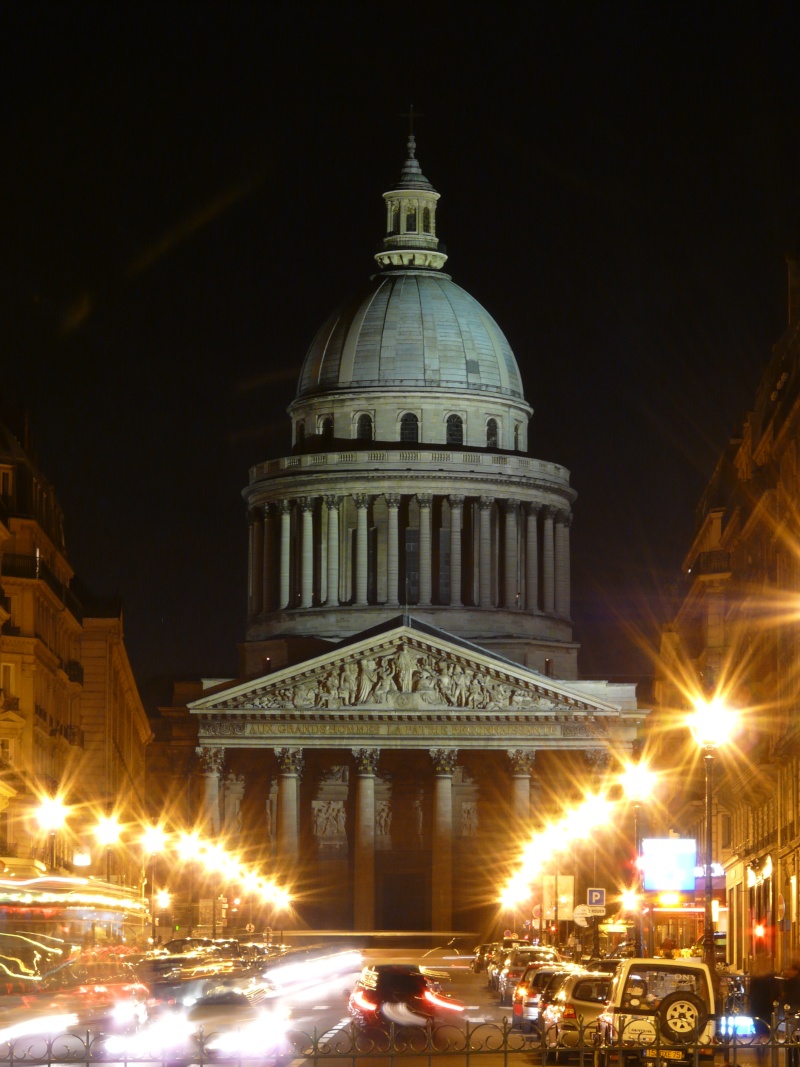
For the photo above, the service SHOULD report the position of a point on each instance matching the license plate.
(663, 1054)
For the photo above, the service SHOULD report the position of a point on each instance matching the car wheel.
(683, 1016)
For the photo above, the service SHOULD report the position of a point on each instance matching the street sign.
(593, 909)
(596, 898)
(580, 915)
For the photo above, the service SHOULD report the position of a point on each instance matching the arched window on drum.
(409, 428)
(492, 434)
(455, 430)
(364, 428)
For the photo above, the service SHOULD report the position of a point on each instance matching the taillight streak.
(364, 1002)
(441, 1002)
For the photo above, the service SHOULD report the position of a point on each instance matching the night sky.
(188, 190)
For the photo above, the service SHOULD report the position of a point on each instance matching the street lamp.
(188, 847)
(711, 725)
(637, 780)
(108, 832)
(153, 841)
(52, 815)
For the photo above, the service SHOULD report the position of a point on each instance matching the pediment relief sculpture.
(402, 677)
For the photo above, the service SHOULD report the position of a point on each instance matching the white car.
(658, 1010)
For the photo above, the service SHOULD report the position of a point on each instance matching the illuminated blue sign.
(668, 864)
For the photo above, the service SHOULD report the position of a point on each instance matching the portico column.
(362, 503)
(307, 554)
(332, 504)
(548, 563)
(210, 767)
(393, 551)
(424, 500)
(266, 559)
(485, 546)
(285, 509)
(290, 767)
(521, 764)
(456, 522)
(511, 507)
(364, 867)
(563, 520)
(532, 559)
(444, 765)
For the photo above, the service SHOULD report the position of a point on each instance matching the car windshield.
(646, 985)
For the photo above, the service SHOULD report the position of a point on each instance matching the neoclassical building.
(409, 659)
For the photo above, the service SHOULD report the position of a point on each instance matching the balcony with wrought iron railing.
(15, 565)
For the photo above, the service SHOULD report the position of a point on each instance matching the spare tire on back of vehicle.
(683, 1017)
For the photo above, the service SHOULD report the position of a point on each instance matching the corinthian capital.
(290, 760)
(210, 759)
(366, 760)
(521, 762)
(444, 760)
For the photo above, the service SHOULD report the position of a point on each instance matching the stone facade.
(736, 628)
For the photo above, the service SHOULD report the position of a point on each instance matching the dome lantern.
(410, 240)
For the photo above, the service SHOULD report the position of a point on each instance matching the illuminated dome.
(411, 329)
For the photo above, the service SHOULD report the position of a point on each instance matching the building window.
(7, 680)
(394, 225)
(426, 220)
(516, 437)
(411, 220)
(364, 428)
(492, 434)
(299, 433)
(6, 749)
(409, 427)
(455, 430)
(326, 428)
(6, 484)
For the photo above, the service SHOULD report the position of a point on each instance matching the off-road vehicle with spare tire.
(659, 1012)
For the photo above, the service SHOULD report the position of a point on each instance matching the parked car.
(526, 998)
(480, 954)
(570, 1019)
(515, 965)
(658, 1009)
(399, 993)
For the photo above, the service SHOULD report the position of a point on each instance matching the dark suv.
(401, 994)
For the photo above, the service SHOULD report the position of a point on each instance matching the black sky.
(188, 190)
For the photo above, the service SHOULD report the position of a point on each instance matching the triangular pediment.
(404, 669)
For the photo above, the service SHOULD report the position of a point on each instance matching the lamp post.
(711, 726)
(188, 847)
(107, 832)
(153, 841)
(637, 781)
(52, 815)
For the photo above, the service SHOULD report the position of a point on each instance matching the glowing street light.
(107, 832)
(153, 841)
(712, 724)
(51, 815)
(638, 782)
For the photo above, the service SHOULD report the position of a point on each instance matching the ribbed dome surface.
(411, 329)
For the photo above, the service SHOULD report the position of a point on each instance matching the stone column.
(548, 560)
(233, 792)
(511, 507)
(364, 865)
(210, 766)
(598, 761)
(362, 503)
(332, 504)
(251, 543)
(285, 509)
(521, 764)
(444, 765)
(485, 544)
(290, 767)
(532, 558)
(307, 553)
(562, 593)
(424, 500)
(267, 593)
(393, 551)
(258, 562)
(456, 523)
